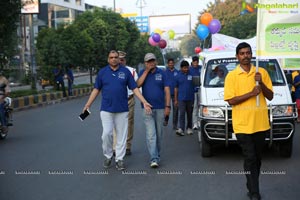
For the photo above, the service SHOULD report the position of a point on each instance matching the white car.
(215, 123)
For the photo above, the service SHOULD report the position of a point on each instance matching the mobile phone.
(83, 115)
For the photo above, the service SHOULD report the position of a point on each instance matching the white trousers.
(119, 122)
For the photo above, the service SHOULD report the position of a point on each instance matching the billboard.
(30, 6)
(278, 28)
(180, 24)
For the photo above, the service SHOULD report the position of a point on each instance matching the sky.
(158, 7)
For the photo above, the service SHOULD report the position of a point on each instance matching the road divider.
(31, 101)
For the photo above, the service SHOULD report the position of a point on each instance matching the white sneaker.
(179, 132)
(195, 127)
(189, 131)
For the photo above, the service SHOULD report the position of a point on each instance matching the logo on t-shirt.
(189, 77)
(121, 75)
(158, 77)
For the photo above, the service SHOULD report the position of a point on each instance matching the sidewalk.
(46, 98)
(18, 86)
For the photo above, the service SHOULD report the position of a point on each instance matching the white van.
(215, 122)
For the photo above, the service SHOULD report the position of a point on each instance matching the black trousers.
(252, 147)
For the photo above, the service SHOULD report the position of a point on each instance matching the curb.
(39, 100)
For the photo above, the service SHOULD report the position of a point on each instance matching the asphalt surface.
(50, 154)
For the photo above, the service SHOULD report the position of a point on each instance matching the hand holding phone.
(83, 115)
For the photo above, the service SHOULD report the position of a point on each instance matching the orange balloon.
(249, 8)
(206, 18)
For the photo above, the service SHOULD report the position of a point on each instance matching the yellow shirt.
(294, 74)
(247, 117)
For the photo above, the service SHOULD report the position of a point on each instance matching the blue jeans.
(2, 115)
(154, 130)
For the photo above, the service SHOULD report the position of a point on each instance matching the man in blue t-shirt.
(195, 70)
(184, 98)
(59, 79)
(171, 73)
(155, 89)
(113, 81)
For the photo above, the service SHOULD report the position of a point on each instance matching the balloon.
(214, 26)
(202, 31)
(249, 8)
(152, 42)
(159, 31)
(162, 44)
(244, 12)
(206, 18)
(156, 37)
(165, 36)
(171, 34)
(197, 50)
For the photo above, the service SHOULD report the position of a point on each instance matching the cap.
(149, 56)
(195, 58)
(122, 54)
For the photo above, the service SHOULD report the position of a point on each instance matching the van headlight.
(279, 111)
(214, 112)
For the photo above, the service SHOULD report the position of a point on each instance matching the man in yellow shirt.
(249, 120)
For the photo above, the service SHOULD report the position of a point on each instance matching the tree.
(9, 13)
(188, 45)
(233, 23)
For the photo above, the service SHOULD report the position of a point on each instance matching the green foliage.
(9, 13)
(188, 45)
(88, 40)
(233, 24)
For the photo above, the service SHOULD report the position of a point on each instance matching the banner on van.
(278, 28)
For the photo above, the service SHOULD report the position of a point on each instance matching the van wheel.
(206, 148)
(286, 148)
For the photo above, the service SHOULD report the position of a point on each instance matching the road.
(49, 154)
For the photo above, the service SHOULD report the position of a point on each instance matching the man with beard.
(249, 120)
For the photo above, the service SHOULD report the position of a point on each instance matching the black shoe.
(254, 196)
(120, 165)
(114, 154)
(128, 152)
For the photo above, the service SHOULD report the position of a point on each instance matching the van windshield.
(218, 69)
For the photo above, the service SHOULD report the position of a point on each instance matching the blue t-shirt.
(184, 83)
(297, 89)
(70, 74)
(59, 77)
(171, 78)
(154, 88)
(113, 86)
(195, 71)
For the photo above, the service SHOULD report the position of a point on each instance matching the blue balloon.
(244, 12)
(202, 31)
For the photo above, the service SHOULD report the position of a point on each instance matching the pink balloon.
(162, 44)
(152, 42)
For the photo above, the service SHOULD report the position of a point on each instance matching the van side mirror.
(289, 78)
(196, 81)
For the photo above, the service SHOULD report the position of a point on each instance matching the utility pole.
(141, 4)
(114, 5)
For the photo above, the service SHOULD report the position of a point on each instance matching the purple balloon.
(156, 37)
(214, 26)
(151, 42)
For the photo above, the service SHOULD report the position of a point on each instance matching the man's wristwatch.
(168, 106)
